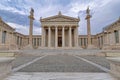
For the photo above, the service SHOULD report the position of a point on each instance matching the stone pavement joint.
(26, 64)
(60, 63)
(94, 64)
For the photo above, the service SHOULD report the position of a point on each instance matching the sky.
(16, 12)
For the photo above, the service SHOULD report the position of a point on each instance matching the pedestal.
(5, 66)
(115, 67)
(91, 47)
(28, 47)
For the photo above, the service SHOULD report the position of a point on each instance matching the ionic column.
(43, 37)
(36, 42)
(104, 39)
(63, 36)
(19, 41)
(70, 45)
(49, 37)
(12, 38)
(119, 36)
(107, 38)
(83, 42)
(100, 40)
(76, 36)
(113, 37)
(1, 36)
(56, 36)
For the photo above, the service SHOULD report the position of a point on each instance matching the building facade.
(59, 31)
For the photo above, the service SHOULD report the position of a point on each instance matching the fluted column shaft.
(76, 36)
(56, 36)
(43, 37)
(31, 31)
(49, 37)
(63, 36)
(88, 31)
(70, 41)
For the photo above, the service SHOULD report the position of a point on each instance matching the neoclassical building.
(60, 31)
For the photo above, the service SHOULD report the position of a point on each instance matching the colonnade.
(63, 28)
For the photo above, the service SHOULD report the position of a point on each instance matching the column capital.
(56, 26)
(63, 25)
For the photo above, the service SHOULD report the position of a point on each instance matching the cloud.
(37, 31)
(19, 28)
(25, 29)
(103, 12)
(17, 6)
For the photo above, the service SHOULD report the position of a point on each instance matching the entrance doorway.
(59, 41)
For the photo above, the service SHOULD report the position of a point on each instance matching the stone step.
(59, 76)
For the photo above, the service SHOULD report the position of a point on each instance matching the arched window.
(3, 37)
(116, 32)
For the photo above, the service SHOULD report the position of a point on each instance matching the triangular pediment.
(60, 18)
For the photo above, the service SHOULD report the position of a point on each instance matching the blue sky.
(15, 12)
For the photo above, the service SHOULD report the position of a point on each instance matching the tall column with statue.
(90, 46)
(31, 17)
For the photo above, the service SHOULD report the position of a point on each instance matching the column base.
(91, 47)
(28, 47)
(13, 47)
(59, 48)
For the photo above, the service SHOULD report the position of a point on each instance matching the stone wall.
(6, 59)
(115, 67)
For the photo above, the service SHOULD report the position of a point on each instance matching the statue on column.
(32, 12)
(88, 16)
(31, 17)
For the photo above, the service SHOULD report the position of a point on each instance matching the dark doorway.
(59, 41)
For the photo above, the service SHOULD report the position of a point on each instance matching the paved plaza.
(60, 65)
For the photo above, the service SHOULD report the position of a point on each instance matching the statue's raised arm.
(88, 10)
(32, 11)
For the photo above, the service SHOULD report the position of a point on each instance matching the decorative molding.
(60, 18)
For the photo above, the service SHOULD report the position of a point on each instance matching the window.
(17, 40)
(91, 40)
(99, 41)
(38, 42)
(102, 40)
(81, 42)
(34, 41)
(28, 40)
(116, 36)
(20, 41)
(3, 37)
(84, 41)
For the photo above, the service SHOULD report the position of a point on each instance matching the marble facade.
(60, 31)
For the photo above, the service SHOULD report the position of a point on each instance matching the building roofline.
(6, 25)
(110, 25)
(59, 15)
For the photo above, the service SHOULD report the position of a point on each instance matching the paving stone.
(98, 60)
(60, 63)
